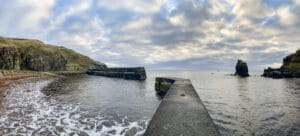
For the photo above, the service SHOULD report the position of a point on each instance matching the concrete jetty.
(181, 112)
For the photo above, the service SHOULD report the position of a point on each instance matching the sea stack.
(289, 69)
(241, 69)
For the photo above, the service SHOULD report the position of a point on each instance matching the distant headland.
(34, 55)
(289, 69)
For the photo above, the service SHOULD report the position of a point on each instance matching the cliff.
(289, 69)
(292, 62)
(27, 54)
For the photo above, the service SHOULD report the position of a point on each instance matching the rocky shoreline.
(289, 69)
(9, 77)
(280, 73)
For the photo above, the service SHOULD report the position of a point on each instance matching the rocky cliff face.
(292, 62)
(9, 58)
(34, 55)
(32, 59)
(289, 69)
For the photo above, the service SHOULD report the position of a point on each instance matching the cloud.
(141, 6)
(188, 13)
(137, 24)
(79, 32)
(254, 9)
(68, 9)
(285, 15)
(170, 34)
(297, 2)
(25, 16)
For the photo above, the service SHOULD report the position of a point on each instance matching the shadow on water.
(246, 106)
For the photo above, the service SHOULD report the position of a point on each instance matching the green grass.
(294, 64)
(75, 61)
(293, 67)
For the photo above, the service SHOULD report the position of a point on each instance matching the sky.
(162, 34)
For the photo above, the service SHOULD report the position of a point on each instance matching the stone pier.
(181, 112)
(133, 73)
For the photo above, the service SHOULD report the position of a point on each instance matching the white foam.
(28, 112)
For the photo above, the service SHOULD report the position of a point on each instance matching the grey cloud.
(212, 63)
(194, 12)
(191, 36)
(176, 37)
(162, 32)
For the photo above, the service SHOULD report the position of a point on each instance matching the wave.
(29, 112)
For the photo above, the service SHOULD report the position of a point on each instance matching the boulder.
(241, 68)
(271, 72)
(131, 132)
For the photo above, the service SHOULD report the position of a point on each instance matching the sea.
(85, 105)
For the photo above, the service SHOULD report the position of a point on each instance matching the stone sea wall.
(133, 73)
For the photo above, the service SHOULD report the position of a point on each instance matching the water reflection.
(248, 106)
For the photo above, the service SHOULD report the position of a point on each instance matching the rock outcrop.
(292, 62)
(241, 69)
(9, 58)
(26, 54)
(289, 69)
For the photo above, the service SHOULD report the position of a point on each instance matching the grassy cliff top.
(75, 61)
(292, 62)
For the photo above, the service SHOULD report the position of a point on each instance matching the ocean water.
(94, 105)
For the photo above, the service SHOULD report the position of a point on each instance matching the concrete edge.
(181, 111)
